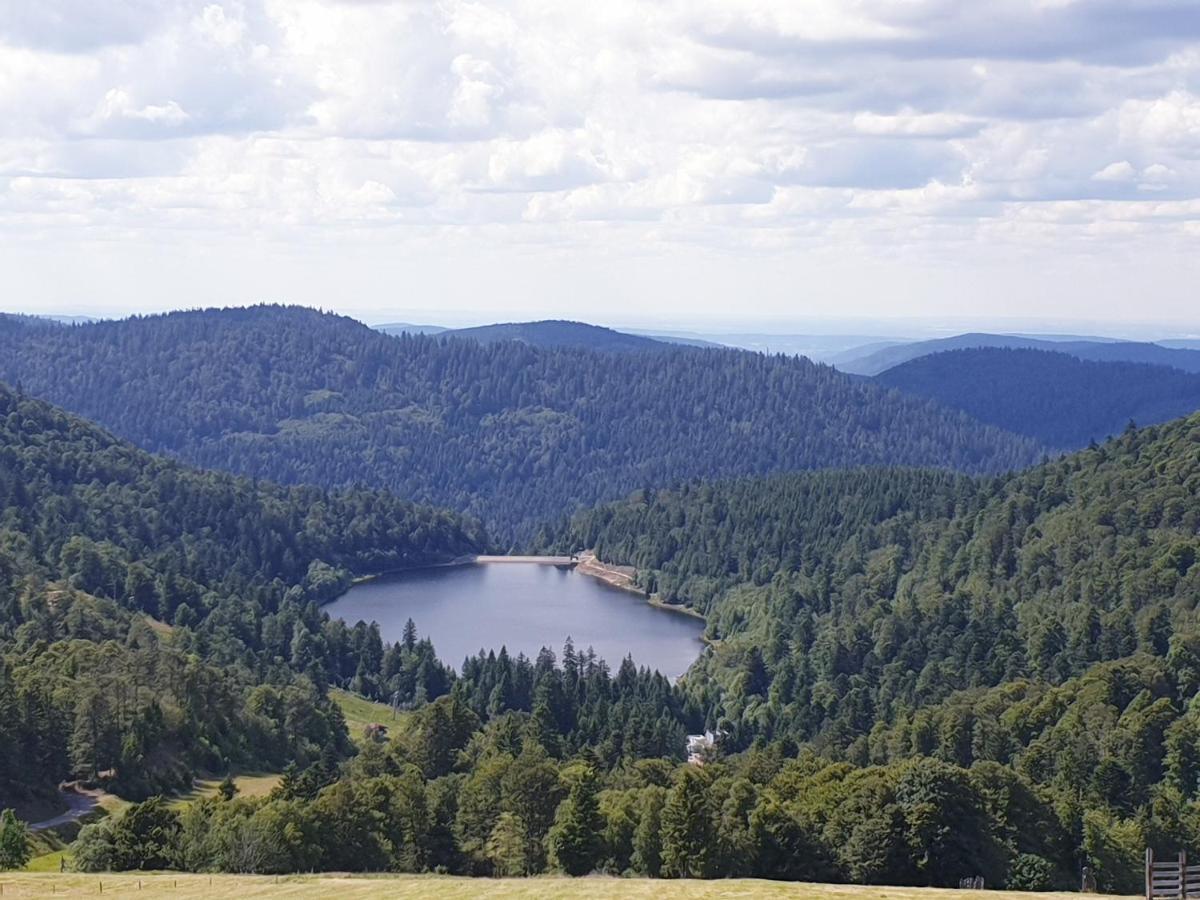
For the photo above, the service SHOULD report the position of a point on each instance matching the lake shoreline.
(468, 604)
(657, 602)
(586, 563)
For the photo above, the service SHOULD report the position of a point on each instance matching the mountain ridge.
(1053, 397)
(506, 432)
(879, 361)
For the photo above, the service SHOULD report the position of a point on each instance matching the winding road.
(80, 802)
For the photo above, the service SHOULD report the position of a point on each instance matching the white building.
(697, 744)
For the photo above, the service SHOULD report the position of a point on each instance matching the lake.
(524, 606)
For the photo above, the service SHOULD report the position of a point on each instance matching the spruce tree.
(574, 840)
(689, 841)
(14, 841)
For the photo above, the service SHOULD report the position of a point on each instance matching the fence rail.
(1171, 880)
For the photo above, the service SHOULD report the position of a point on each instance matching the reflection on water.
(523, 606)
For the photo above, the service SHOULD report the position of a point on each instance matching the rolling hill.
(1055, 398)
(510, 433)
(554, 333)
(876, 361)
(106, 550)
(1044, 621)
(557, 334)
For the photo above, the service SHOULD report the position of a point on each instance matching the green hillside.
(1044, 621)
(510, 433)
(1053, 398)
(101, 543)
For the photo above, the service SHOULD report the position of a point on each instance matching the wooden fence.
(1171, 880)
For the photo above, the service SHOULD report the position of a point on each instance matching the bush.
(1031, 872)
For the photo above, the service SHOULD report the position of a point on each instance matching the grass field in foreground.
(441, 887)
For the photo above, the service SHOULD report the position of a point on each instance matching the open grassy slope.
(361, 712)
(441, 887)
(248, 785)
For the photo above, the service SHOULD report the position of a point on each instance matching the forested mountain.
(880, 360)
(915, 675)
(1057, 399)
(560, 335)
(915, 584)
(105, 549)
(407, 327)
(158, 621)
(1044, 621)
(509, 433)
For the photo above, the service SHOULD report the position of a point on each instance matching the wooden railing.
(1171, 880)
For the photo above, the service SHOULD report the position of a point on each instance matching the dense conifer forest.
(913, 675)
(873, 361)
(511, 434)
(1055, 398)
(155, 619)
(1044, 622)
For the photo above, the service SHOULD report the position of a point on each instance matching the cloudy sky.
(625, 161)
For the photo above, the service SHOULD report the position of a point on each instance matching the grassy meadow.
(360, 712)
(442, 887)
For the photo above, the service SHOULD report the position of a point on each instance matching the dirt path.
(615, 576)
(80, 802)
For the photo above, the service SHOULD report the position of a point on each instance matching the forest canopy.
(1055, 398)
(511, 434)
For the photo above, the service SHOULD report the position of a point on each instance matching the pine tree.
(14, 841)
(689, 841)
(574, 840)
(647, 837)
(508, 846)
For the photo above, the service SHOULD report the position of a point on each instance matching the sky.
(686, 162)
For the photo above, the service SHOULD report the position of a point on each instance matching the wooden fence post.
(1182, 874)
(1149, 874)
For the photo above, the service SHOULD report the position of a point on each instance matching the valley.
(631, 449)
(508, 433)
(875, 649)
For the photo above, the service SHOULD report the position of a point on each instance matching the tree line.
(511, 434)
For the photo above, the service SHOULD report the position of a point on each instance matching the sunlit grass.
(437, 887)
(360, 712)
(248, 785)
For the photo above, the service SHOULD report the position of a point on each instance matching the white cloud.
(218, 26)
(762, 130)
(1118, 171)
(117, 104)
(913, 124)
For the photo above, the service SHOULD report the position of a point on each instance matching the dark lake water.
(523, 606)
